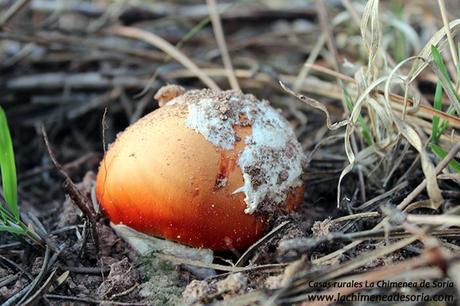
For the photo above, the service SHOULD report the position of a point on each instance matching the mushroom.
(207, 169)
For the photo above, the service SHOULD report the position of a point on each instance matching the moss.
(163, 285)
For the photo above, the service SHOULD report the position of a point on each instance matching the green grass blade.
(439, 62)
(8, 167)
(444, 73)
(435, 127)
(453, 164)
(11, 229)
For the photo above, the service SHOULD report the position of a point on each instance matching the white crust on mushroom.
(271, 161)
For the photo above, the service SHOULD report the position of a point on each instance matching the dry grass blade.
(309, 62)
(401, 206)
(368, 257)
(397, 101)
(350, 129)
(445, 21)
(217, 267)
(324, 23)
(243, 258)
(371, 34)
(315, 104)
(444, 220)
(414, 139)
(444, 162)
(220, 38)
(166, 47)
(438, 40)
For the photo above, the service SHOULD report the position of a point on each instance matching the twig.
(10, 245)
(84, 80)
(377, 200)
(220, 39)
(83, 203)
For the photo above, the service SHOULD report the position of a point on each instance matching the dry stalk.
(220, 38)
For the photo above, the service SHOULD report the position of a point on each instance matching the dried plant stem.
(330, 72)
(365, 215)
(166, 47)
(324, 23)
(427, 111)
(354, 15)
(321, 88)
(358, 262)
(310, 61)
(334, 254)
(80, 200)
(220, 39)
(444, 162)
(445, 21)
(430, 257)
(12, 11)
(243, 258)
(218, 267)
(446, 220)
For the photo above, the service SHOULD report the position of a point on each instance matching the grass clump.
(9, 210)
(10, 219)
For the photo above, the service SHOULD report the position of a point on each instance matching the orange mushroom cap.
(163, 178)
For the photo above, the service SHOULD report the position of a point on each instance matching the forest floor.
(79, 70)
